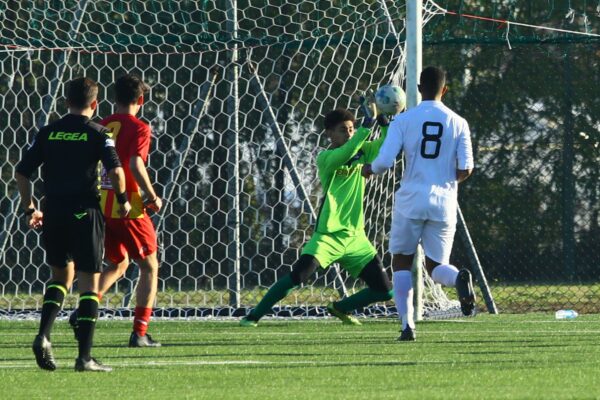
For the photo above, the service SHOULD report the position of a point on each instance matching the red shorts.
(135, 237)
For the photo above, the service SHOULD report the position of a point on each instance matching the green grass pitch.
(486, 357)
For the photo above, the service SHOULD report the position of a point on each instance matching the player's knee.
(387, 296)
(149, 263)
(303, 269)
(148, 268)
(117, 267)
(375, 277)
(430, 265)
(382, 296)
(121, 268)
(402, 262)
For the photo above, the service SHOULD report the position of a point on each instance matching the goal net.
(238, 94)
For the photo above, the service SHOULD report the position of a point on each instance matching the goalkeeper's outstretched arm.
(335, 158)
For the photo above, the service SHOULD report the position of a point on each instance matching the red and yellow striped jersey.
(132, 138)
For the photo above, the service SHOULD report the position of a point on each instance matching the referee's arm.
(30, 162)
(24, 187)
(36, 217)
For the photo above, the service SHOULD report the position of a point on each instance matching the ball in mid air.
(390, 99)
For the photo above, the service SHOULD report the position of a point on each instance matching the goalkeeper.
(339, 233)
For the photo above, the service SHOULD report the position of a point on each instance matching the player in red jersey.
(134, 236)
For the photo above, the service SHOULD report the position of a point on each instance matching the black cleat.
(465, 292)
(142, 341)
(42, 348)
(91, 365)
(408, 335)
(73, 322)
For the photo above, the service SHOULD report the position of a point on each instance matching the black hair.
(334, 117)
(433, 79)
(81, 92)
(128, 88)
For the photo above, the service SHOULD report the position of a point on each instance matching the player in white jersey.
(438, 155)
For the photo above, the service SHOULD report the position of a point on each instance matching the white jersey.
(436, 142)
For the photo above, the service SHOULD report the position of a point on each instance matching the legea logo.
(68, 136)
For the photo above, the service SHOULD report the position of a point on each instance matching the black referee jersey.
(68, 151)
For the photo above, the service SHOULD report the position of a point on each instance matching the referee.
(72, 224)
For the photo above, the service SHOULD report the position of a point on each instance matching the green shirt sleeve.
(371, 149)
(330, 160)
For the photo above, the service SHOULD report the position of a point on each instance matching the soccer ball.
(390, 99)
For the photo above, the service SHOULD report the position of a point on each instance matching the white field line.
(31, 364)
(156, 363)
(175, 363)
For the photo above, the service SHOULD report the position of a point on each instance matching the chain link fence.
(531, 98)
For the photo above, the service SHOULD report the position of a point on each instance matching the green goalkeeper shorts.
(352, 252)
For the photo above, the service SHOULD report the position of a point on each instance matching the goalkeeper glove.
(368, 108)
(383, 120)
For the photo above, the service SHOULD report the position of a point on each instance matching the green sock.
(278, 291)
(362, 299)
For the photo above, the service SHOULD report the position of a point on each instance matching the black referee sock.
(86, 320)
(53, 300)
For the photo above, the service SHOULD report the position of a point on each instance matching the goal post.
(414, 51)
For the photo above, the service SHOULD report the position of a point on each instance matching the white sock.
(403, 297)
(445, 274)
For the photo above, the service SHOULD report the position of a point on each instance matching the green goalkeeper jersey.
(343, 185)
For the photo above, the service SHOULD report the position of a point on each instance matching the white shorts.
(436, 237)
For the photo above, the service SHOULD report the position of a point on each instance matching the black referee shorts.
(74, 234)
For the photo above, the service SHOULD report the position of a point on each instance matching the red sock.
(141, 320)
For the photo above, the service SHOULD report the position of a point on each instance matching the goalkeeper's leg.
(303, 269)
(379, 288)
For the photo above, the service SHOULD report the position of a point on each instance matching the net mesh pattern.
(236, 108)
